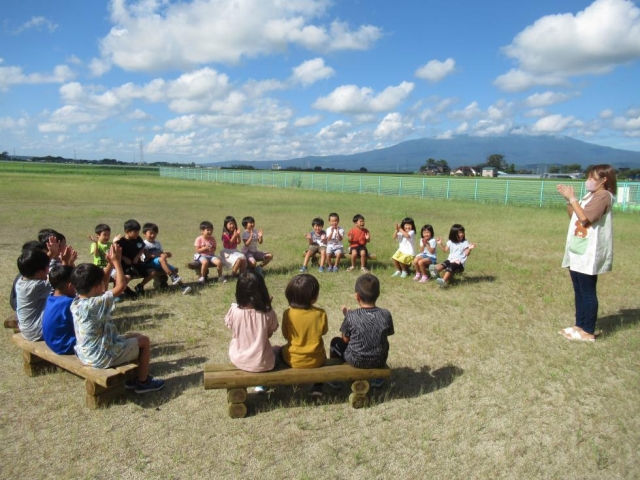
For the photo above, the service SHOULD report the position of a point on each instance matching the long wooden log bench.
(227, 376)
(11, 322)
(102, 385)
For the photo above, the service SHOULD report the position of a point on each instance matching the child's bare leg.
(204, 267)
(363, 259)
(447, 277)
(338, 256)
(353, 258)
(239, 266)
(144, 356)
(147, 279)
(307, 257)
(218, 265)
(165, 266)
(416, 263)
(323, 257)
(266, 259)
(396, 264)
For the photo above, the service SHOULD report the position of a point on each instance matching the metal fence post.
(448, 187)
(541, 193)
(506, 194)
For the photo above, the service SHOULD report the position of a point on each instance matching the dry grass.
(483, 386)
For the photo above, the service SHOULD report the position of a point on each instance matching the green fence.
(76, 168)
(531, 192)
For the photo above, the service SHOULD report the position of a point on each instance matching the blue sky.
(211, 80)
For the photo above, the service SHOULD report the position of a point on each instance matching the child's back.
(57, 321)
(367, 330)
(250, 349)
(32, 291)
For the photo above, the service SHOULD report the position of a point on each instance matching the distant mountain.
(521, 150)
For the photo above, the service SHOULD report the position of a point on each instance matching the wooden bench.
(236, 381)
(102, 385)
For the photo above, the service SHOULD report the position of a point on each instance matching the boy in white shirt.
(335, 233)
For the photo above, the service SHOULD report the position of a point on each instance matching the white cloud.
(311, 71)
(170, 143)
(337, 129)
(160, 35)
(138, 114)
(446, 135)
(545, 99)
(462, 128)
(626, 124)
(10, 76)
(392, 125)
(435, 70)
(354, 100)
(606, 113)
(307, 121)
(38, 23)
(552, 124)
(469, 112)
(597, 39)
(535, 112)
(51, 127)
(181, 124)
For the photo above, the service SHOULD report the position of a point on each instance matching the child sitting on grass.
(459, 250)
(317, 239)
(253, 322)
(365, 331)
(303, 326)
(97, 341)
(57, 321)
(155, 258)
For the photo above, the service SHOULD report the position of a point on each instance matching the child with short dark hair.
(317, 239)
(303, 326)
(133, 248)
(57, 321)
(100, 244)
(97, 341)
(365, 331)
(358, 238)
(206, 252)
(335, 234)
(251, 239)
(155, 258)
(459, 250)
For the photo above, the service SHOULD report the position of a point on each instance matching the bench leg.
(34, 365)
(98, 396)
(359, 399)
(235, 406)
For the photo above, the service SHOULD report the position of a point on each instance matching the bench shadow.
(474, 279)
(133, 307)
(624, 318)
(173, 388)
(404, 383)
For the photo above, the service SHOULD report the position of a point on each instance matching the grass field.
(482, 384)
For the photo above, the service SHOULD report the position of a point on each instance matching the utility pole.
(141, 153)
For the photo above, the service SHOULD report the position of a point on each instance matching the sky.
(216, 80)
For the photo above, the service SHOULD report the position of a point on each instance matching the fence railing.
(76, 168)
(540, 193)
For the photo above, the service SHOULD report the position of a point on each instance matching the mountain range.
(525, 152)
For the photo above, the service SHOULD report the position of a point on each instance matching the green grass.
(482, 384)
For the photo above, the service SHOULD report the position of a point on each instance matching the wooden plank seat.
(227, 376)
(102, 385)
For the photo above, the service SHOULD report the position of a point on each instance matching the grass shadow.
(407, 383)
(133, 307)
(617, 321)
(173, 388)
(474, 279)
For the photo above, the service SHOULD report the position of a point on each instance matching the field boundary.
(538, 193)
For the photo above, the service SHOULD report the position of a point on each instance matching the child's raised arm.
(444, 247)
(113, 257)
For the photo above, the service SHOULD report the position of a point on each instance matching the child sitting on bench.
(364, 342)
(57, 321)
(97, 341)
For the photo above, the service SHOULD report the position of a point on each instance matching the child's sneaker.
(432, 271)
(397, 273)
(364, 270)
(175, 279)
(260, 389)
(404, 275)
(303, 269)
(222, 279)
(140, 289)
(417, 277)
(442, 283)
(151, 385)
(316, 390)
(335, 269)
(201, 280)
(321, 269)
(131, 383)
(424, 279)
(376, 382)
(186, 290)
(130, 294)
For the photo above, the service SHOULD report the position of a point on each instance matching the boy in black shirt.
(132, 249)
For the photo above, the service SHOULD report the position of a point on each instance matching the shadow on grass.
(405, 382)
(132, 307)
(173, 388)
(474, 279)
(617, 321)
(129, 322)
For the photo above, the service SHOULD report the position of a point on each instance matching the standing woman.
(589, 248)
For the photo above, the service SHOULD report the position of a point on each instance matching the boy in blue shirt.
(57, 321)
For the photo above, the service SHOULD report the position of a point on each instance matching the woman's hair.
(604, 171)
(251, 290)
(302, 291)
(410, 221)
(228, 219)
(453, 233)
(86, 276)
(425, 228)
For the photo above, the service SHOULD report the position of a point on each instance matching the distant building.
(464, 172)
(489, 172)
